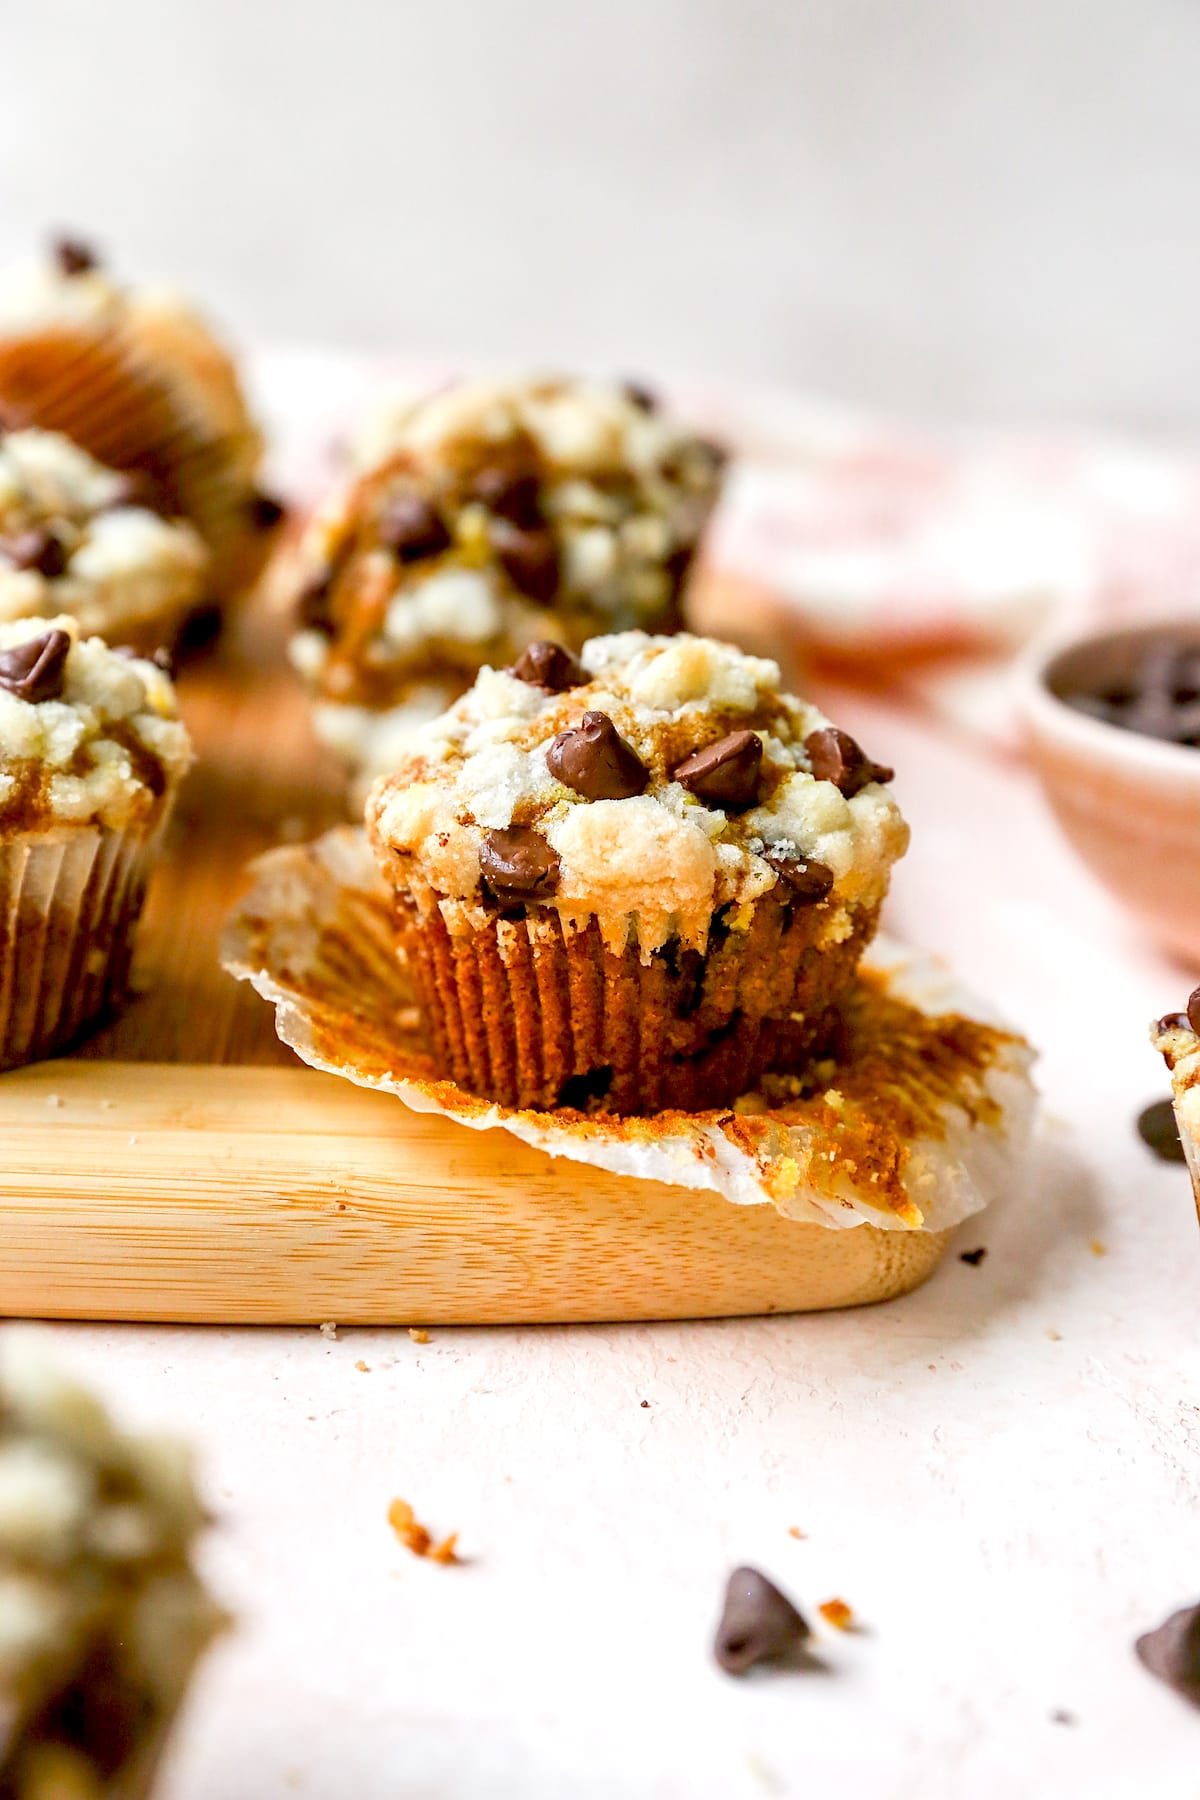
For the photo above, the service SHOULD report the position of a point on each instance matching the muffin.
(91, 755)
(137, 379)
(102, 1617)
(1177, 1038)
(496, 514)
(72, 540)
(635, 881)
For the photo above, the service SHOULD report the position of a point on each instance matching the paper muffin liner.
(916, 1121)
(69, 902)
(532, 1013)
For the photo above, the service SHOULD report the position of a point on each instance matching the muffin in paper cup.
(91, 754)
(1177, 1038)
(137, 380)
(633, 881)
(489, 515)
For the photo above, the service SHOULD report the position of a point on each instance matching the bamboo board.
(183, 1166)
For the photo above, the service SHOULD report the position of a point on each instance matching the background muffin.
(636, 880)
(495, 513)
(91, 755)
(73, 541)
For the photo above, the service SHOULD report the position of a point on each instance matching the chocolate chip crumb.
(836, 757)
(411, 529)
(645, 1403)
(725, 773)
(758, 1624)
(1158, 1130)
(547, 665)
(808, 880)
(594, 760)
(36, 670)
(74, 256)
(974, 1257)
(518, 864)
(1172, 1652)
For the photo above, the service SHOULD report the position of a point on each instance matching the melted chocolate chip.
(725, 772)
(1158, 1130)
(411, 529)
(1193, 1010)
(594, 760)
(37, 549)
(74, 257)
(546, 665)
(758, 1624)
(1172, 1652)
(518, 864)
(266, 512)
(36, 670)
(517, 498)
(836, 757)
(528, 558)
(810, 881)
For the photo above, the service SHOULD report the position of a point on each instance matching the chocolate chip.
(74, 257)
(758, 1624)
(313, 609)
(1193, 1010)
(836, 757)
(266, 512)
(594, 760)
(725, 772)
(1172, 1652)
(1157, 1129)
(37, 549)
(641, 395)
(1174, 1022)
(36, 670)
(411, 529)
(529, 559)
(810, 881)
(517, 498)
(518, 864)
(974, 1257)
(546, 665)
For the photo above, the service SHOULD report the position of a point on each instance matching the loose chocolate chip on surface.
(974, 1257)
(37, 549)
(518, 864)
(1173, 1652)
(1193, 1010)
(594, 760)
(546, 665)
(758, 1624)
(517, 498)
(1157, 1129)
(411, 529)
(725, 772)
(836, 757)
(810, 881)
(36, 670)
(529, 559)
(266, 512)
(74, 257)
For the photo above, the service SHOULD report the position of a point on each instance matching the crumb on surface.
(1061, 1716)
(364, 1368)
(838, 1614)
(418, 1334)
(645, 1403)
(794, 1531)
(328, 1330)
(1098, 1248)
(417, 1537)
(1054, 1336)
(54, 1100)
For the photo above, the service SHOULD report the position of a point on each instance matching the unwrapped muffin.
(92, 752)
(496, 513)
(72, 540)
(102, 1617)
(633, 881)
(137, 379)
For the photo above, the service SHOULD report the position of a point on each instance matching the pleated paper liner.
(69, 904)
(913, 1127)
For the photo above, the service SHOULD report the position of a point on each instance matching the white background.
(956, 206)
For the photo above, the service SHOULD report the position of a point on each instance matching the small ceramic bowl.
(1129, 804)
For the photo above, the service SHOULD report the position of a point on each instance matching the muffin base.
(69, 902)
(528, 1014)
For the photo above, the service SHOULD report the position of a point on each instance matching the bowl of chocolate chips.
(1113, 730)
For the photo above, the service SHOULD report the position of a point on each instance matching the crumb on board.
(1098, 1248)
(107, 1105)
(418, 1334)
(1054, 1336)
(328, 1330)
(362, 1367)
(974, 1257)
(54, 1100)
(645, 1403)
(838, 1614)
(794, 1531)
(417, 1538)
(133, 1140)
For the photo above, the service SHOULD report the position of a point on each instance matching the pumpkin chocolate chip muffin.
(91, 754)
(498, 513)
(635, 880)
(74, 540)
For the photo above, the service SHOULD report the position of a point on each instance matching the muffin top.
(649, 784)
(499, 512)
(73, 540)
(1177, 1038)
(88, 735)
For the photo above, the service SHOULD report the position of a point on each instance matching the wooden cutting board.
(183, 1165)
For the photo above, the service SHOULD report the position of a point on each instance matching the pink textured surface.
(1001, 1473)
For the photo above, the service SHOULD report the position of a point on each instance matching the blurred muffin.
(635, 881)
(137, 379)
(102, 1617)
(496, 513)
(1177, 1038)
(91, 754)
(73, 541)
